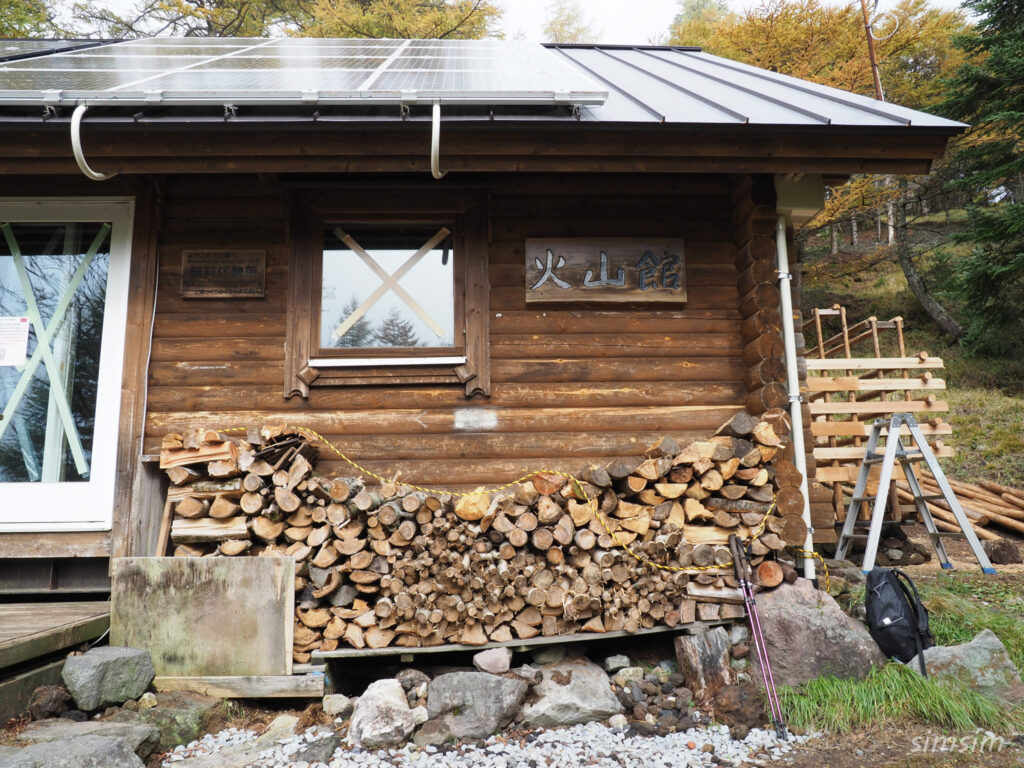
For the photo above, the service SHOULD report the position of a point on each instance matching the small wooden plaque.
(223, 274)
(605, 270)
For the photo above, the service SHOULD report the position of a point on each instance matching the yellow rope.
(755, 533)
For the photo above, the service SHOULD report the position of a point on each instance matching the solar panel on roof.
(239, 71)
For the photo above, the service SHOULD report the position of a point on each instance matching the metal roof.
(685, 85)
(645, 85)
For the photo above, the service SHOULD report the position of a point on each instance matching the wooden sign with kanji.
(605, 270)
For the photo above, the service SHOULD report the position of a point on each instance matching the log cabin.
(457, 260)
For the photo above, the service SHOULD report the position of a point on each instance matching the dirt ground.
(911, 747)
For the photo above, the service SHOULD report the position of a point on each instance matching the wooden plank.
(206, 616)
(459, 421)
(539, 640)
(854, 384)
(403, 445)
(623, 393)
(63, 544)
(245, 686)
(30, 630)
(854, 453)
(873, 363)
(863, 429)
(207, 529)
(16, 691)
(878, 406)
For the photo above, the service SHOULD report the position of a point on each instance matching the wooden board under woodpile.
(630, 545)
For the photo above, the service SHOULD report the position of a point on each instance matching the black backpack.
(897, 619)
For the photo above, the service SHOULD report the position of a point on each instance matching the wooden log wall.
(570, 385)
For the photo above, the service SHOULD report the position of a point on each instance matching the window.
(63, 301)
(388, 297)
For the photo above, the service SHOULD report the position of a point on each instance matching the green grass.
(959, 609)
(892, 694)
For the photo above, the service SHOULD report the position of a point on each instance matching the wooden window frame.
(464, 211)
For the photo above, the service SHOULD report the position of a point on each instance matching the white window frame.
(88, 505)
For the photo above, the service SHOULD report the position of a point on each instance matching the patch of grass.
(959, 610)
(891, 694)
(987, 436)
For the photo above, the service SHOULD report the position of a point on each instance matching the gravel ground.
(593, 744)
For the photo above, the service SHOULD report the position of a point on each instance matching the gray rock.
(1001, 551)
(322, 750)
(381, 717)
(494, 660)
(616, 662)
(412, 679)
(739, 634)
(807, 635)
(628, 675)
(419, 716)
(572, 691)
(107, 675)
(146, 700)
(528, 674)
(281, 727)
(549, 654)
(79, 752)
(981, 664)
(618, 722)
(142, 738)
(704, 661)
(474, 704)
(433, 733)
(894, 554)
(180, 717)
(337, 705)
(6, 751)
(49, 701)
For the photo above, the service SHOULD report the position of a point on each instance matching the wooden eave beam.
(135, 149)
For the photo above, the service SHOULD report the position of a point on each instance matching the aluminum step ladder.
(895, 451)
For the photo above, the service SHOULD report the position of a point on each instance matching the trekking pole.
(743, 575)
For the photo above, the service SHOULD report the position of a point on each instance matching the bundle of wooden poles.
(626, 546)
(992, 508)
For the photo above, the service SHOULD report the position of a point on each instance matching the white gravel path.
(593, 744)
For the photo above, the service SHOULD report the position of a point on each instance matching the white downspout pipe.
(435, 143)
(793, 384)
(76, 146)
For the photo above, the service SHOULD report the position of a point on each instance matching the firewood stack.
(387, 565)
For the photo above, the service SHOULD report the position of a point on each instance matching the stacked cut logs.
(988, 505)
(386, 565)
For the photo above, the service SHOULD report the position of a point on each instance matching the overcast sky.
(614, 21)
(622, 21)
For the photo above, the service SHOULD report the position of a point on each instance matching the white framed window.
(64, 266)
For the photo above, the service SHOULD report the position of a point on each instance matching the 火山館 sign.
(605, 270)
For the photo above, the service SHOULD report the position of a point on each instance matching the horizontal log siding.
(570, 385)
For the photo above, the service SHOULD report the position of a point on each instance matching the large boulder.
(982, 664)
(807, 635)
(571, 691)
(107, 675)
(741, 707)
(180, 717)
(381, 717)
(142, 738)
(78, 752)
(474, 705)
(703, 661)
(1001, 551)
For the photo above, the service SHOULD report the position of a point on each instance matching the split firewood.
(387, 566)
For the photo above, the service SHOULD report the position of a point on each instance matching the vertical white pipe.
(793, 383)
